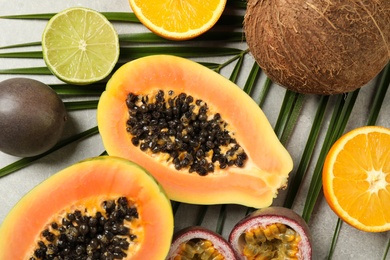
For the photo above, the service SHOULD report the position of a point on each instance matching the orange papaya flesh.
(82, 189)
(267, 163)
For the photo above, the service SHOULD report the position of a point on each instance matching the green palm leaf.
(339, 107)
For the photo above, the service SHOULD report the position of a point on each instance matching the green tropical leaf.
(336, 127)
(227, 30)
(137, 52)
(95, 89)
(27, 71)
(21, 163)
(297, 178)
(81, 105)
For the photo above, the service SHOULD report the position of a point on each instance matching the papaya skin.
(254, 185)
(92, 178)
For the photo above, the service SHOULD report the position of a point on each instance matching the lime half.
(80, 46)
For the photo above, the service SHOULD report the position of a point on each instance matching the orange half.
(356, 178)
(178, 19)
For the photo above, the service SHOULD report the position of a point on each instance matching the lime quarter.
(80, 46)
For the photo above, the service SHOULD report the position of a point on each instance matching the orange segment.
(356, 178)
(178, 19)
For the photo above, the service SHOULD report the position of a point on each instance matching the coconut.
(319, 46)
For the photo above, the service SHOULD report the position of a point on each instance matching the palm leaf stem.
(221, 219)
(336, 128)
(237, 56)
(21, 163)
(21, 45)
(292, 119)
(27, 71)
(22, 54)
(335, 238)
(133, 53)
(182, 51)
(210, 65)
(46, 71)
(121, 17)
(384, 82)
(264, 91)
(81, 105)
(307, 154)
(137, 52)
(315, 180)
(112, 16)
(252, 78)
(225, 19)
(386, 250)
(237, 68)
(201, 215)
(95, 89)
(286, 109)
(151, 38)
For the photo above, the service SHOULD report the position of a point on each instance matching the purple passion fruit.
(272, 233)
(200, 243)
(32, 117)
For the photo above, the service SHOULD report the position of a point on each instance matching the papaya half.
(100, 208)
(202, 137)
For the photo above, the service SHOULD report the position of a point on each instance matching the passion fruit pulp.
(272, 233)
(32, 117)
(197, 242)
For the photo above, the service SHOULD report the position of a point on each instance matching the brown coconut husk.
(319, 46)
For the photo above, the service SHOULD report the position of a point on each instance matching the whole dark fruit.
(272, 233)
(317, 46)
(32, 117)
(197, 242)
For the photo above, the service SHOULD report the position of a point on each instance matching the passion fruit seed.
(275, 241)
(272, 233)
(184, 129)
(196, 242)
(198, 249)
(80, 236)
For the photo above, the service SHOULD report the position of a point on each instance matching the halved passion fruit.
(272, 233)
(197, 242)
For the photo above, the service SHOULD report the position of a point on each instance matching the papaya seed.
(184, 128)
(80, 235)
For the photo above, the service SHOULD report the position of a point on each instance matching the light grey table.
(352, 244)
